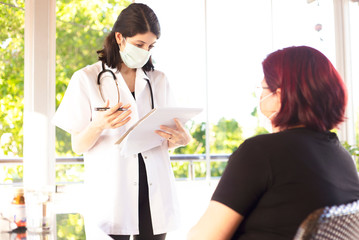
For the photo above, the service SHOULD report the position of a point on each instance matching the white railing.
(190, 158)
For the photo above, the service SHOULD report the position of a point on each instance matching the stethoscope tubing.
(118, 90)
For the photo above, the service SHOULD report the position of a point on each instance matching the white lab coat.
(111, 178)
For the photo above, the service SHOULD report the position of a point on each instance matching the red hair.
(312, 92)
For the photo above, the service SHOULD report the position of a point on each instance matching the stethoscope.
(104, 70)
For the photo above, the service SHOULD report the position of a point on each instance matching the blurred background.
(211, 51)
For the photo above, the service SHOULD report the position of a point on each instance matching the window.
(12, 17)
(238, 39)
(180, 54)
(220, 47)
(316, 29)
(210, 51)
(79, 33)
(354, 39)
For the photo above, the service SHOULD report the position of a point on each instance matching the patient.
(273, 181)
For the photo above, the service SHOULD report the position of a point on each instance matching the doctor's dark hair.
(137, 18)
(312, 92)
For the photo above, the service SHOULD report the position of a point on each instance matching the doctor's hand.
(105, 118)
(176, 137)
(112, 117)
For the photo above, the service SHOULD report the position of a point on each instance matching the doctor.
(126, 194)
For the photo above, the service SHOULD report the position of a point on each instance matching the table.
(68, 226)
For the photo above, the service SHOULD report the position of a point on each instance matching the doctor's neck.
(126, 70)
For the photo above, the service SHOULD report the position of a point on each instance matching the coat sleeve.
(74, 112)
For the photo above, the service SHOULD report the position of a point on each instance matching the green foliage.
(63, 143)
(70, 172)
(11, 76)
(354, 151)
(12, 174)
(217, 168)
(70, 227)
(81, 27)
(180, 169)
(227, 136)
(80, 30)
(200, 167)
(260, 130)
(198, 144)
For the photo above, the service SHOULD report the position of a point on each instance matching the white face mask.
(134, 57)
(265, 121)
(265, 97)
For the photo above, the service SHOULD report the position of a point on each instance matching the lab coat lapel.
(143, 93)
(140, 106)
(140, 84)
(127, 98)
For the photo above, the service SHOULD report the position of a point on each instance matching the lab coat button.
(134, 155)
(145, 157)
(135, 183)
(150, 184)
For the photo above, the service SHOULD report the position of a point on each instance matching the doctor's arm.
(84, 140)
(219, 222)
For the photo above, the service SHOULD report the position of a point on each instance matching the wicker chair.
(329, 223)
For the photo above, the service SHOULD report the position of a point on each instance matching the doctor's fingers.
(120, 117)
(163, 134)
(117, 115)
(178, 130)
(179, 125)
(120, 123)
(108, 120)
(181, 136)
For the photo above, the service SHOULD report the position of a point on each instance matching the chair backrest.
(329, 223)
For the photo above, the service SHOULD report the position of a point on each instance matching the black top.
(276, 180)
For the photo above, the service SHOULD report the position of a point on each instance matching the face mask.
(264, 98)
(134, 57)
(265, 121)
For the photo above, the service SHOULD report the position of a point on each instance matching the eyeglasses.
(261, 87)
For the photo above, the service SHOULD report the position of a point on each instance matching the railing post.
(190, 170)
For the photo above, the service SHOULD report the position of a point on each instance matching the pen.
(106, 108)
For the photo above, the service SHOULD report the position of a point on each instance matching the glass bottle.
(18, 204)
